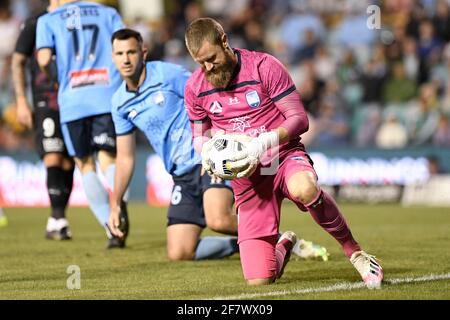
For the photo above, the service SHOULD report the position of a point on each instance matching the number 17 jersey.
(80, 34)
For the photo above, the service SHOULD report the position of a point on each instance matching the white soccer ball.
(224, 147)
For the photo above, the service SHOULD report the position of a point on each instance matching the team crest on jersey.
(159, 98)
(132, 114)
(215, 107)
(252, 98)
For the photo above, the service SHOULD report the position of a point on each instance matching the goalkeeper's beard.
(221, 76)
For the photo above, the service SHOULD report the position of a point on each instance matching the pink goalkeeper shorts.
(258, 198)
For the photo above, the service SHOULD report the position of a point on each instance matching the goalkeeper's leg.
(263, 259)
(303, 188)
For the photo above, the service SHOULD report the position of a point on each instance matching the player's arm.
(24, 113)
(44, 59)
(280, 87)
(23, 50)
(125, 160)
(295, 123)
(45, 43)
(296, 120)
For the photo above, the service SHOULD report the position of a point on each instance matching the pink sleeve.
(281, 89)
(296, 120)
(275, 78)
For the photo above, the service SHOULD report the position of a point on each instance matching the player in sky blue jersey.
(151, 99)
(79, 34)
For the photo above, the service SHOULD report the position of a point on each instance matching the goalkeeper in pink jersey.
(251, 93)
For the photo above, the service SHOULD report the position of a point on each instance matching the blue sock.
(216, 247)
(97, 196)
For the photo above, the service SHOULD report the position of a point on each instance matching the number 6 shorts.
(186, 205)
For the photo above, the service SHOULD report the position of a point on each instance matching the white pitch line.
(336, 287)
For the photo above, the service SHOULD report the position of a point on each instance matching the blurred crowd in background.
(387, 87)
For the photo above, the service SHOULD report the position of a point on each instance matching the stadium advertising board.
(374, 179)
(23, 183)
(370, 179)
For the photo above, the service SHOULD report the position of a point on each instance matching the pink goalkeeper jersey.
(246, 106)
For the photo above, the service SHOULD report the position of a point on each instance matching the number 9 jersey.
(80, 35)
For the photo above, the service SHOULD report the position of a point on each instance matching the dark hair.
(124, 34)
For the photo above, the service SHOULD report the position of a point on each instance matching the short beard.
(222, 76)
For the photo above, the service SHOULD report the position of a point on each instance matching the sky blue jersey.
(80, 34)
(157, 109)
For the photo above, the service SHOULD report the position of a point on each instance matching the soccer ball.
(223, 148)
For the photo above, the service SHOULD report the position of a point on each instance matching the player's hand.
(206, 149)
(24, 114)
(245, 167)
(256, 147)
(114, 221)
(247, 160)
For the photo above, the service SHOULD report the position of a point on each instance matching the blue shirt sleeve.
(44, 33)
(122, 125)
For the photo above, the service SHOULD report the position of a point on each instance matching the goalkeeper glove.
(206, 149)
(248, 159)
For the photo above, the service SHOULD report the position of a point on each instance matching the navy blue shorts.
(186, 205)
(86, 136)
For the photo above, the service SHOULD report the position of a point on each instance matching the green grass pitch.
(411, 243)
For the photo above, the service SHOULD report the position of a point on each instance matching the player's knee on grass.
(303, 187)
(180, 254)
(258, 260)
(182, 240)
(260, 282)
